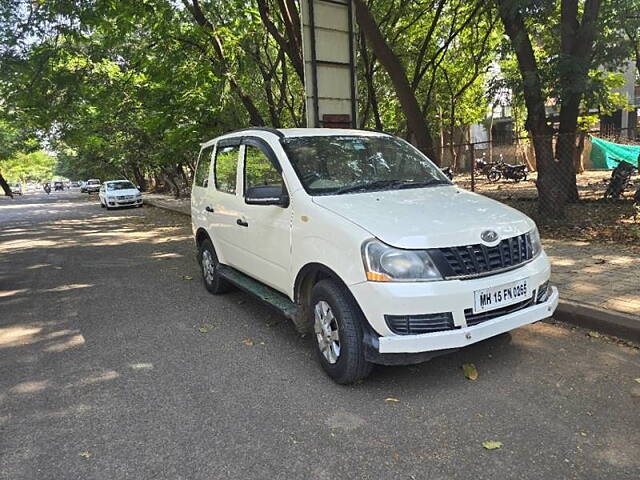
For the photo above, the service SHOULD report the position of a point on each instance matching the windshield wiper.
(364, 186)
(423, 183)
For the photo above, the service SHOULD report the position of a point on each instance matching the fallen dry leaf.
(86, 454)
(470, 371)
(391, 400)
(248, 342)
(593, 334)
(205, 327)
(637, 380)
(492, 445)
(187, 277)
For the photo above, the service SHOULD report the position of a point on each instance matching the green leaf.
(492, 445)
(470, 371)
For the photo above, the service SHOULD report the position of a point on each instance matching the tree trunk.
(576, 42)
(416, 121)
(551, 194)
(169, 180)
(140, 180)
(5, 186)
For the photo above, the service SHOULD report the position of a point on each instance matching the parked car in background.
(91, 186)
(119, 193)
(360, 238)
(16, 188)
(75, 185)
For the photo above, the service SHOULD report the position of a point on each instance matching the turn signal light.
(377, 277)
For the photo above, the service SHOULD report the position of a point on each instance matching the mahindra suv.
(361, 239)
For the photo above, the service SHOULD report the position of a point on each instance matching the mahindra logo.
(489, 236)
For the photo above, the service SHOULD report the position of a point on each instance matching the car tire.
(209, 268)
(101, 204)
(344, 317)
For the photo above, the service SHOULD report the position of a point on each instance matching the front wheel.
(210, 274)
(494, 176)
(337, 326)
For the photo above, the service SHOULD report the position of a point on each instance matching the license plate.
(501, 296)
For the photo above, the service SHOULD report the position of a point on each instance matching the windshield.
(93, 182)
(334, 165)
(120, 186)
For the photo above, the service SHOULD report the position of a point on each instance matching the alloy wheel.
(326, 330)
(208, 266)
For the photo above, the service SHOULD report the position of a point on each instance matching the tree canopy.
(132, 88)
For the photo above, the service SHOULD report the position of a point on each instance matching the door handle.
(209, 209)
(242, 223)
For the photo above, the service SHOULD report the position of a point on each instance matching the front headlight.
(536, 244)
(383, 263)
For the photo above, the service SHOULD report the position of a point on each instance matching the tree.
(420, 44)
(559, 46)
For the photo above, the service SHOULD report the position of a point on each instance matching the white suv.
(360, 237)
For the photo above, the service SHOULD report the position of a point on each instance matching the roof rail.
(275, 131)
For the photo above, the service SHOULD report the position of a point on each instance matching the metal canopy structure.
(329, 63)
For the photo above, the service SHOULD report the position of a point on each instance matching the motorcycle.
(620, 180)
(482, 166)
(47, 188)
(517, 173)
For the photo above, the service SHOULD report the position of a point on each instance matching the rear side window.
(226, 166)
(202, 170)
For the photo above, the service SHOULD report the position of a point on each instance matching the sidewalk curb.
(620, 324)
(154, 203)
(623, 325)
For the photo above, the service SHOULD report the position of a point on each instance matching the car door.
(267, 239)
(201, 190)
(225, 201)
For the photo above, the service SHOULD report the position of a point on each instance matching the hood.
(427, 217)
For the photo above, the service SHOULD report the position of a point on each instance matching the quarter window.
(225, 168)
(202, 170)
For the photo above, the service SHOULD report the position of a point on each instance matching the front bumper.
(125, 203)
(377, 299)
(462, 337)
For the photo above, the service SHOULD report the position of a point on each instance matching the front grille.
(479, 259)
(476, 318)
(418, 324)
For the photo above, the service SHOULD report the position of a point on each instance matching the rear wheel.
(209, 263)
(337, 326)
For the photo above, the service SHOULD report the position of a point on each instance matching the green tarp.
(607, 155)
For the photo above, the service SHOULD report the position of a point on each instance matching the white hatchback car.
(359, 237)
(119, 193)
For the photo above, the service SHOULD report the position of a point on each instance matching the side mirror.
(281, 201)
(267, 195)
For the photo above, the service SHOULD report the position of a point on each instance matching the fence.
(567, 175)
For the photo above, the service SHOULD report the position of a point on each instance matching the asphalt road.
(115, 363)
